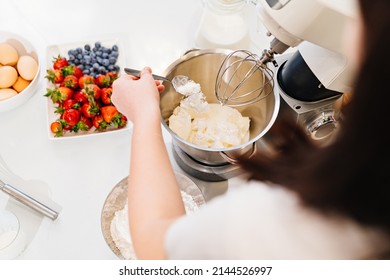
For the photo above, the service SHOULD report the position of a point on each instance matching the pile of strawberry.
(83, 102)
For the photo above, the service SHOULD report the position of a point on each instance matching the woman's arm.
(153, 194)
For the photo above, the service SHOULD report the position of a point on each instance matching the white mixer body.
(321, 25)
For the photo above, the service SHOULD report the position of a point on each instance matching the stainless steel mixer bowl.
(202, 67)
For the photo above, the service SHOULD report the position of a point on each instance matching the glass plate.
(117, 200)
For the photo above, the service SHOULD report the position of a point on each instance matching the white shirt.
(256, 221)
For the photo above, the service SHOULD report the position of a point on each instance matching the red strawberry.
(89, 110)
(72, 70)
(103, 81)
(80, 97)
(60, 62)
(92, 90)
(71, 117)
(86, 79)
(54, 76)
(59, 94)
(99, 123)
(106, 95)
(71, 81)
(109, 113)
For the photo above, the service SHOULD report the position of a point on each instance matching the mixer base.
(209, 173)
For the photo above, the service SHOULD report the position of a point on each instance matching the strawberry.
(59, 62)
(59, 94)
(122, 121)
(86, 79)
(92, 90)
(113, 76)
(54, 76)
(89, 110)
(72, 70)
(70, 103)
(84, 124)
(71, 118)
(106, 95)
(99, 123)
(71, 81)
(103, 81)
(109, 113)
(80, 96)
(56, 128)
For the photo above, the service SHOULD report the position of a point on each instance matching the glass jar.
(223, 25)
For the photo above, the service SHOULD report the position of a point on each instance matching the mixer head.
(243, 79)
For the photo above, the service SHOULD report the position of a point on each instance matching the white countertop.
(81, 172)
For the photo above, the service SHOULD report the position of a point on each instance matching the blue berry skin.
(87, 47)
(105, 62)
(98, 45)
(112, 60)
(115, 48)
(96, 66)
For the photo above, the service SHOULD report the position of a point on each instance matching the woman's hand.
(137, 98)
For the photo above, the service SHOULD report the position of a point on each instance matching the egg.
(6, 93)
(8, 76)
(8, 54)
(20, 84)
(27, 67)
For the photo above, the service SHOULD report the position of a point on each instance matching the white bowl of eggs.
(19, 70)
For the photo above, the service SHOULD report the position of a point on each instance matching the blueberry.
(115, 54)
(115, 48)
(105, 55)
(98, 45)
(76, 61)
(87, 59)
(99, 60)
(112, 60)
(71, 57)
(99, 53)
(87, 47)
(96, 66)
(116, 67)
(105, 62)
(110, 68)
(81, 66)
(86, 71)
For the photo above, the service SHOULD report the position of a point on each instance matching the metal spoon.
(177, 81)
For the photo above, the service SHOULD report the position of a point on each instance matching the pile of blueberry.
(96, 59)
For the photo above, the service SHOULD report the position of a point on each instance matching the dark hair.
(351, 175)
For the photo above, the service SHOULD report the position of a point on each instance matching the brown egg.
(20, 84)
(8, 76)
(8, 54)
(6, 93)
(27, 67)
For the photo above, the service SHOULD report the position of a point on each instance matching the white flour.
(120, 227)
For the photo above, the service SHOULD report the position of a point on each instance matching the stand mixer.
(306, 84)
(312, 80)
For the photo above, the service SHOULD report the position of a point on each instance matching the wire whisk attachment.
(243, 79)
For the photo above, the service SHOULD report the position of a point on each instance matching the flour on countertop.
(120, 231)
